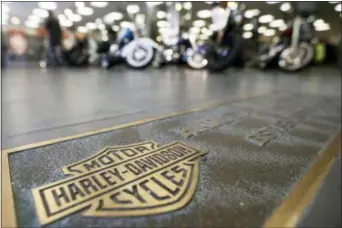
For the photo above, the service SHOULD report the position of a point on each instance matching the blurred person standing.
(219, 16)
(55, 38)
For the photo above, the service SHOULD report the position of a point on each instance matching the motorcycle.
(135, 52)
(300, 53)
(229, 51)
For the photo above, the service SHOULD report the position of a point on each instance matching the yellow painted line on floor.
(8, 207)
(290, 211)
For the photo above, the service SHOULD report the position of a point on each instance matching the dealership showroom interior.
(171, 114)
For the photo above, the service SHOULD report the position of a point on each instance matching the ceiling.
(22, 10)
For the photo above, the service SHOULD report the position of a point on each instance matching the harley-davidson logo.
(139, 179)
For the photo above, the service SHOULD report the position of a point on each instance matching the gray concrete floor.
(40, 104)
(44, 104)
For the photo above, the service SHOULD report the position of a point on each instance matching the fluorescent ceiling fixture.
(4, 8)
(163, 30)
(204, 13)
(68, 12)
(269, 32)
(66, 23)
(31, 24)
(34, 19)
(75, 18)
(203, 37)
(283, 27)
(140, 19)
(322, 27)
(252, 13)
(209, 2)
(247, 35)
(318, 22)
(82, 29)
(40, 13)
(162, 24)
(99, 4)
(333, 2)
(153, 3)
(133, 9)
(61, 17)
(285, 7)
(48, 5)
(161, 14)
(262, 29)
(113, 16)
(126, 24)
(276, 23)
(206, 31)
(116, 28)
(338, 7)
(101, 26)
(199, 23)
(178, 6)
(248, 27)
(15, 20)
(79, 4)
(86, 11)
(187, 16)
(187, 5)
(194, 30)
(232, 5)
(91, 25)
(266, 18)
(274, 2)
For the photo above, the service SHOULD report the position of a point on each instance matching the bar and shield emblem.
(134, 180)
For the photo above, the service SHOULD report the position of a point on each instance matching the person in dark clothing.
(55, 38)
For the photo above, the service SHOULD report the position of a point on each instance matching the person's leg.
(58, 55)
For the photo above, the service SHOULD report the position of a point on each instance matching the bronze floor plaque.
(150, 174)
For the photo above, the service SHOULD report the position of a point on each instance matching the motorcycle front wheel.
(140, 56)
(296, 59)
(197, 61)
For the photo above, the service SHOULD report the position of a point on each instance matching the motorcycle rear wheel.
(294, 60)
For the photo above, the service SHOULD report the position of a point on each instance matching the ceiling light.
(187, 5)
(86, 11)
(187, 16)
(265, 18)
(199, 23)
(101, 26)
(31, 24)
(206, 31)
(322, 27)
(132, 9)
(178, 6)
(66, 23)
(162, 24)
(161, 14)
(262, 29)
(274, 2)
(40, 13)
(98, 21)
(61, 17)
(99, 4)
(5, 8)
(318, 22)
(333, 2)
(285, 7)
(115, 28)
(75, 18)
(276, 23)
(247, 35)
(252, 13)
(209, 2)
(48, 5)
(113, 16)
(15, 20)
(91, 25)
(203, 37)
(232, 5)
(194, 30)
(269, 32)
(248, 27)
(82, 29)
(283, 27)
(68, 12)
(125, 24)
(204, 14)
(34, 19)
(338, 7)
(79, 4)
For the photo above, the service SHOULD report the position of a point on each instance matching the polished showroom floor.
(44, 104)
